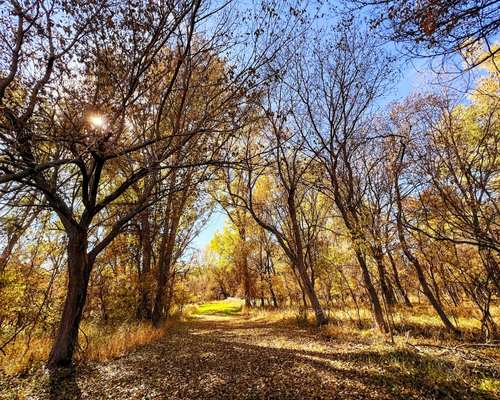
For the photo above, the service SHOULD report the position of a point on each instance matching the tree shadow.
(254, 360)
(215, 361)
(63, 384)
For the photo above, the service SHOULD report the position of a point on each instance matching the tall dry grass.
(96, 343)
(419, 322)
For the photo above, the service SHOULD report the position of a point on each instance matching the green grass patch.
(223, 307)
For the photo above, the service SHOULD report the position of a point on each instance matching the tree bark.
(377, 311)
(428, 292)
(418, 267)
(299, 262)
(311, 294)
(395, 273)
(144, 308)
(244, 266)
(385, 284)
(163, 273)
(271, 291)
(79, 268)
(246, 280)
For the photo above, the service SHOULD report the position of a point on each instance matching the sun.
(97, 121)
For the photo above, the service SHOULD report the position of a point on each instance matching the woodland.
(351, 148)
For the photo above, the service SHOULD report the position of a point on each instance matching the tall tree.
(85, 92)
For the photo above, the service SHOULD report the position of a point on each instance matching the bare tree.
(432, 28)
(283, 213)
(337, 93)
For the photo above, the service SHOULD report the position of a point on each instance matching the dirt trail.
(235, 358)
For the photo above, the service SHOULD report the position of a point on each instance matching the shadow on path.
(230, 358)
(63, 385)
(218, 357)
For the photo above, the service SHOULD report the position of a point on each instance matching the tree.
(281, 211)
(432, 28)
(336, 95)
(453, 157)
(85, 94)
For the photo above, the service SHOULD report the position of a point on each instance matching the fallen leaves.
(235, 358)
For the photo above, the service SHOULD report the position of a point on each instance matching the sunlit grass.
(422, 353)
(224, 307)
(104, 346)
(96, 343)
(419, 322)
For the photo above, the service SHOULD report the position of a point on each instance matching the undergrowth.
(97, 343)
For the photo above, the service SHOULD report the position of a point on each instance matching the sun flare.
(97, 121)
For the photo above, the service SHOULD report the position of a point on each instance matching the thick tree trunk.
(164, 264)
(158, 307)
(377, 311)
(170, 295)
(79, 268)
(311, 294)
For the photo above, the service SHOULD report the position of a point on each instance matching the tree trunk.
(311, 295)
(144, 308)
(273, 295)
(428, 293)
(385, 284)
(377, 311)
(165, 262)
(170, 295)
(163, 273)
(246, 283)
(244, 266)
(395, 273)
(418, 267)
(79, 268)
(299, 262)
(223, 291)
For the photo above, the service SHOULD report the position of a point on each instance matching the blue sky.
(213, 225)
(412, 80)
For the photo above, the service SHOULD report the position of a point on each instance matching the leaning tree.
(88, 90)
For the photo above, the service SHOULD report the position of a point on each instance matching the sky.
(412, 79)
(214, 224)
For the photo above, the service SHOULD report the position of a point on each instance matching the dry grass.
(419, 322)
(20, 357)
(104, 346)
(422, 351)
(97, 343)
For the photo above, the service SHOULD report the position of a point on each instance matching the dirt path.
(234, 358)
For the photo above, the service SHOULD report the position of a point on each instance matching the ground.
(223, 354)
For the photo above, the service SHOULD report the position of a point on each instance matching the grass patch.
(116, 342)
(96, 343)
(423, 357)
(224, 307)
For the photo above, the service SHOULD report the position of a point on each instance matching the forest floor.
(224, 354)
